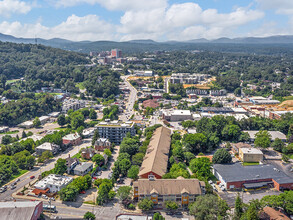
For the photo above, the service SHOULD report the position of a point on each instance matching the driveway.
(105, 173)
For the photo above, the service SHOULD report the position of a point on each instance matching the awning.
(40, 191)
(256, 185)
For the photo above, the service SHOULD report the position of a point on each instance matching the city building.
(177, 115)
(71, 163)
(150, 103)
(26, 124)
(116, 130)
(143, 73)
(221, 92)
(268, 213)
(237, 146)
(4, 129)
(29, 210)
(196, 92)
(133, 216)
(236, 176)
(273, 134)
(71, 139)
(180, 190)
(155, 162)
(53, 148)
(217, 110)
(250, 155)
(82, 169)
(44, 119)
(53, 183)
(259, 100)
(88, 132)
(88, 153)
(54, 114)
(116, 53)
(187, 78)
(102, 143)
(73, 104)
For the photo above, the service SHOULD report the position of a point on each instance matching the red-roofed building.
(150, 103)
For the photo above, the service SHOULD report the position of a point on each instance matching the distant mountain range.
(220, 44)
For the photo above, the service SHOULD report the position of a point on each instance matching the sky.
(159, 20)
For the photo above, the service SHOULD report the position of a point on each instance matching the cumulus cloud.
(121, 5)
(8, 7)
(280, 6)
(182, 21)
(75, 28)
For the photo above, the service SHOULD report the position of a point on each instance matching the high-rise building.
(117, 53)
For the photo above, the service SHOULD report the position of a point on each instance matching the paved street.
(131, 100)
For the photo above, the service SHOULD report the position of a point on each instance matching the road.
(36, 171)
(131, 100)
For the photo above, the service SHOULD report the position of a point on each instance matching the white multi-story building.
(53, 182)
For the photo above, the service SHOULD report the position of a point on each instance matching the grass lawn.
(89, 203)
(80, 85)
(288, 98)
(11, 132)
(60, 129)
(78, 156)
(290, 156)
(11, 81)
(250, 163)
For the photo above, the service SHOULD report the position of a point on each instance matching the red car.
(32, 177)
(82, 192)
(94, 178)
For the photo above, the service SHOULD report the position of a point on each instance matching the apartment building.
(116, 130)
(180, 190)
(187, 78)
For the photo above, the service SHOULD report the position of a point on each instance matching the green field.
(288, 98)
(11, 132)
(250, 163)
(78, 156)
(11, 81)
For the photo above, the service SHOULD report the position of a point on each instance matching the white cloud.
(181, 21)
(75, 28)
(8, 7)
(120, 5)
(280, 6)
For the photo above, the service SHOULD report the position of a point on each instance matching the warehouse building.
(236, 176)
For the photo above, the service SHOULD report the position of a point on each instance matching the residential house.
(83, 169)
(71, 163)
(88, 153)
(180, 190)
(102, 143)
(53, 148)
(71, 139)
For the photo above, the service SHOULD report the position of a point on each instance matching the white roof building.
(54, 182)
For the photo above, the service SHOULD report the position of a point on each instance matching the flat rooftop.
(251, 151)
(236, 172)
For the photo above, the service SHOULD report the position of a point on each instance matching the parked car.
(2, 190)
(17, 180)
(82, 192)
(12, 187)
(32, 177)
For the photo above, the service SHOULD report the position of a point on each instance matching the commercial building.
(250, 154)
(116, 53)
(187, 78)
(44, 119)
(273, 134)
(197, 92)
(71, 139)
(4, 129)
(259, 100)
(177, 115)
(26, 124)
(150, 103)
(102, 143)
(180, 190)
(217, 110)
(143, 73)
(221, 92)
(53, 182)
(237, 146)
(53, 148)
(20, 210)
(236, 176)
(116, 130)
(82, 169)
(155, 162)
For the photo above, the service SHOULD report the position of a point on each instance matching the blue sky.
(160, 20)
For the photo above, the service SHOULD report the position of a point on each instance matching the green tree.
(195, 143)
(137, 159)
(188, 157)
(93, 114)
(108, 153)
(89, 216)
(123, 193)
(95, 137)
(77, 121)
(252, 212)
(209, 207)
(45, 156)
(158, 216)
(98, 159)
(133, 172)
(171, 206)
(36, 122)
(263, 139)
(23, 135)
(79, 130)
(129, 145)
(60, 166)
(201, 167)
(124, 166)
(278, 145)
(238, 208)
(222, 156)
(104, 190)
(231, 132)
(61, 120)
(68, 193)
(145, 204)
